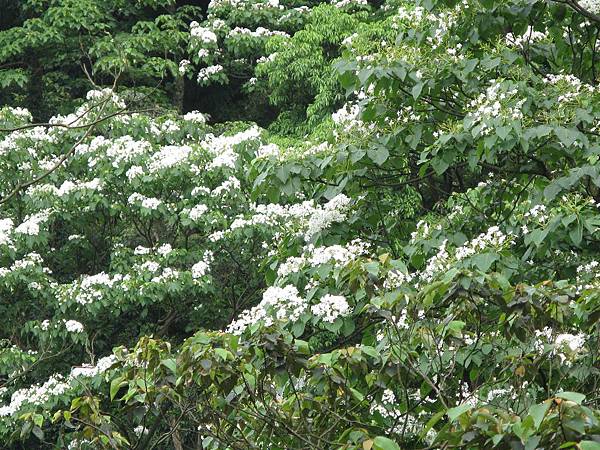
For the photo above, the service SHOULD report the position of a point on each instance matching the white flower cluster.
(89, 288)
(149, 266)
(169, 156)
(344, 3)
(278, 303)
(333, 211)
(105, 94)
(494, 238)
(348, 120)
(195, 116)
(530, 36)
(168, 274)
(197, 212)
(30, 260)
(242, 4)
(31, 225)
(592, 6)
(116, 151)
(339, 255)
(183, 66)
(69, 186)
(437, 263)
(146, 202)
(567, 347)
(308, 216)
(259, 32)
(588, 276)
(331, 307)
(403, 423)
(537, 212)
(204, 35)
(73, 326)
(396, 278)
(494, 103)
(417, 17)
(230, 184)
(18, 112)
(201, 268)
(572, 85)
(268, 150)
(223, 147)
(134, 172)
(6, 228)
(423, 231)
(54, 386)
(31, 139)
(164, 249)
(388, 401)
(206, 73)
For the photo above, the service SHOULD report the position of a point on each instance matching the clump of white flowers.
(183, 66)
(278, 303)
(309, 217)
(492, 239)
(201, 268)
(339, 255)
(223, 148)
(204, 35)
(56, 385)
(31, 225)
(566, 346)
(498, 102)
(169, 156)
(592, 6)
(206, 73)
(73, 326)
(528, 37)
(197, 212)
(195, 116)
(331, 307)
(145, 202)
(571, 86)
(6, 228)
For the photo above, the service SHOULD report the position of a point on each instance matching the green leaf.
(538, 412)
(302, 347)
(378, 154)
(38, 433)
(383, 443)
(416, 90)
(454, 413)
(589, 445)
(484, 261)
(572, 396)
(566, 135)
(115, 385)
(576, 234)
(170, 364)
(431, 423)
(439, 165)
(223, 354)
(38, 419)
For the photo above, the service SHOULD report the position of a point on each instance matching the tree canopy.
(273, 224)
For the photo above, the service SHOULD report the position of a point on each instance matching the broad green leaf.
(538, 412)
(457, 411)
(383, 443)
(572, 396)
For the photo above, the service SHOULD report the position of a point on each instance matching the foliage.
(407, 257)
(49, 44)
